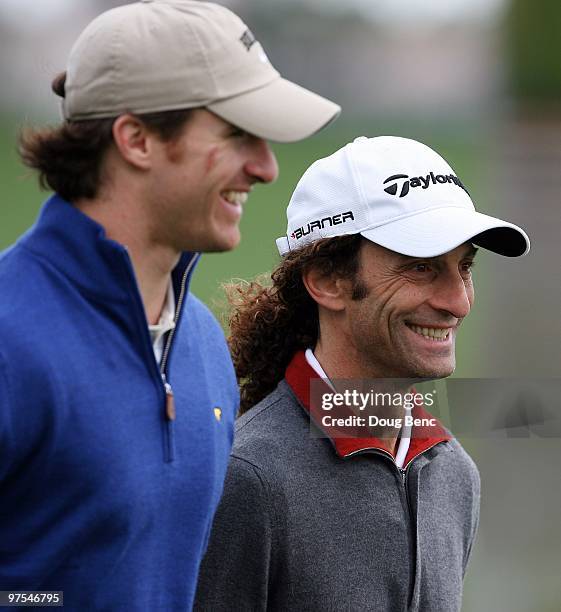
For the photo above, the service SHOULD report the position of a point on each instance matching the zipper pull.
(170, 402)
(402, 472)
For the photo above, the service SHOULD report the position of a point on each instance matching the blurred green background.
(264, 216)
(481, 83)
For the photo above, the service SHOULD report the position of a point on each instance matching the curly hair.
(69, 157)
(269, 324)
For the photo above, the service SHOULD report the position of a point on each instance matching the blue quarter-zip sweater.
(101, 495)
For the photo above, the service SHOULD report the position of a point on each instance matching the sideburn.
(174, 151)
(360, 290)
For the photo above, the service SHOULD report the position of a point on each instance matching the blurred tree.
(534, 51)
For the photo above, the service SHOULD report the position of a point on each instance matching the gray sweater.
(301, 528)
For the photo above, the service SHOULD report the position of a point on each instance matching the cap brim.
(435, 232)
(281, 111)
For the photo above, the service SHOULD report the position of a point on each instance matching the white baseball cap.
(398, 193)
(162, 55)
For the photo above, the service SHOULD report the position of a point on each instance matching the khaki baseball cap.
(162, 55)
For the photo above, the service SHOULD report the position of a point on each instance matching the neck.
(152, 262)
(341, 363)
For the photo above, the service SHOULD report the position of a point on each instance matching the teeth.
(434, 333)
(235, 197)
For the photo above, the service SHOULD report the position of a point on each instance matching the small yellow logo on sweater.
(218, 414)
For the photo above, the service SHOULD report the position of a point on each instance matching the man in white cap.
(333, 508)
(117, 392)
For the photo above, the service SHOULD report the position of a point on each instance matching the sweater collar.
(299, 375)
(77, 246)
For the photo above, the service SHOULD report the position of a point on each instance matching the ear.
(133, 141)
(329, 291)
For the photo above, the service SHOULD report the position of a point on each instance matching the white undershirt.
(405, 438)
(165, 324)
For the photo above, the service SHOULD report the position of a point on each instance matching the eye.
(421, 271)
(237, 133)
(466, 267)
(421, 267)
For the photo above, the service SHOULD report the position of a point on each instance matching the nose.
(262, 164)
(453, 294)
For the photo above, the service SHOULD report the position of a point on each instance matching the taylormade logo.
(321, 223)
(419, 181)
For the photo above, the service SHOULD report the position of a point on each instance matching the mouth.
(237, 198)
(433, 334)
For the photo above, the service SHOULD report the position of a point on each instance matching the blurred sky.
(30, 13)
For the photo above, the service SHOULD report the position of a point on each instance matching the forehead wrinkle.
(470, 251)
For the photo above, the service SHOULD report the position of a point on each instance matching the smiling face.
(405, 324)
(201, 180)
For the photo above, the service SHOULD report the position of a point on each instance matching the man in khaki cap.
(117, 393)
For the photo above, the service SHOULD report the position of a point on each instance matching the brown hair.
(69, 157)
(270, 323)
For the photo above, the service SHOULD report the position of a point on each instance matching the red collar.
(298, 375)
